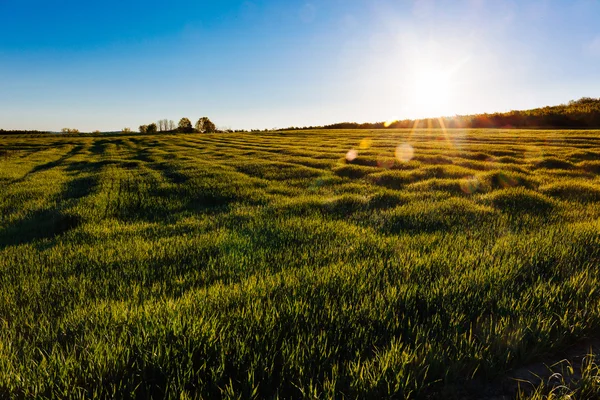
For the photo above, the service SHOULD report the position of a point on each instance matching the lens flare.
(385, 162)
(388, 123)
(351, 155)
(317, 184)
(365, 143)
(507, 181)
(404, 152)
(469, 185)
(459, 138)
(445, 132)
(533, 153)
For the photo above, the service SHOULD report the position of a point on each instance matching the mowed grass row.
(309, 264)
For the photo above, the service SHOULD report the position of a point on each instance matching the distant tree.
(163, 125)
(143, 128)
(171, 125)
(126, 130)
(151, 128)
(69, 130)
(205, 125)
(96, 131)
(185, 125)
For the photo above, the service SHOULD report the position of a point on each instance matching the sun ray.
(415, 124)
(445, 131)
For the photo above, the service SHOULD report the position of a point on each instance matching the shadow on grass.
(80, 187)
(96, 166)
(169, 171)
(43, 224)
(53, 164)
(99, 147)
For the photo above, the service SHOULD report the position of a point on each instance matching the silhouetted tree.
(185, 125)
(151, 128)
(143, 128)
(205, 125)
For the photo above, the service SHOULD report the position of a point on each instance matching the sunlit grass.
(275, 265)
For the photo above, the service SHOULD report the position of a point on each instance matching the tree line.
(582, 113)
(21, 132)
(203, 125)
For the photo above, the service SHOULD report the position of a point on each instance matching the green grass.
(267, 265)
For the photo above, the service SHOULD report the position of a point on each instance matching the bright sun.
(432, 92)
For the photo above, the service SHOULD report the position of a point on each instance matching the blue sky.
(263, 64)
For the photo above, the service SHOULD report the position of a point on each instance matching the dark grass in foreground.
(270, 265)
(566, 381)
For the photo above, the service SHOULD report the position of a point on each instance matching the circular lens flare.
(384, 162)
(507, 181)
(365, 143)
(404, 152)
(532, 153)
(351, 155)
(469, 185)
(459, 138)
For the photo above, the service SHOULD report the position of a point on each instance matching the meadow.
(308, 264)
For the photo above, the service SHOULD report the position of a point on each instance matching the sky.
(107, 65)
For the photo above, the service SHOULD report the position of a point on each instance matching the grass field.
(309, 264)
